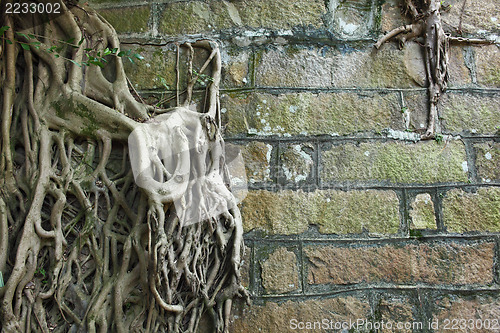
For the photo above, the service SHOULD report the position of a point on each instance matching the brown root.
(82, 248)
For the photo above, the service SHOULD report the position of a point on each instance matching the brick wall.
(349, 216)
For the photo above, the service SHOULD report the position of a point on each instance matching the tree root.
(82, 248)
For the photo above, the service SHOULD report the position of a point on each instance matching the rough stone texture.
(416, 103)
(475, 310)
(245, 267)
(369, 68)
(278, 317)
(158, 62)
(324, 67)
(422, 212)
(235, 69)
(352, 19)
(479, 16)
(290, 212)
(197, 16)
(257, 159)
(480, 211)
(459, 74)
(310, 114)
(391, 16)
(296, 162)
(396, 310)
(128, 19)
(423, 162)
(433, 263)
(280, 273)
(488, 161)
(488, 65)
(472, 112)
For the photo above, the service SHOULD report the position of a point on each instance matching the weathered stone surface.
(391, 16)
(480, 211)
(292, 66)
(257, 159)
(280, 273)
(433, 263)
(290, 212)
(285, 317)
(488, 161)
(488, 65)
(127, 19)
(480, 313)
(158, 62)
(310, 114)
(417, 108)
(473, 112)
(296, 162)
(189, 17)
(422, 212)
(369, 68)
(324, 67)
(351, 20)
(235, 69)
(398, 162)
(397, 311)
(459, 74)
(478, 16)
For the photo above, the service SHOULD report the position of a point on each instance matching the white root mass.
(86, 243)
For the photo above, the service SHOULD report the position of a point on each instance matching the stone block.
(190, 17)
(429, 263)
(398, 311)
(352, 19)
(338, 212)
(422, 212)
(488, 161)
(474, 313)
(396, 162)
(257, 158)
(291, 66)
(477, 17)
(128, 19)
(478, 113)
(296, 161)
(280, 273)
(287, 317)
(310, 114)
(479, 211)
(488, 65)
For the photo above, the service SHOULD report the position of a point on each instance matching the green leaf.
(114, 50)
(25, 46)
(56, 55)
(70, 41)
(131, 60)
(138, 56)
(81, 41)
(121, 53)
(4, 29)
(76, 63)
(22, 35)
(31, 36)
(107, 52)
(8, 41)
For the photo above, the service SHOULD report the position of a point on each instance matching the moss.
(290, 212)
(480, 211)
(128, 20)
(424, 162)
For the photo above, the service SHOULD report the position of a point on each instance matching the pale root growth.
(82, 248)
(427, 30)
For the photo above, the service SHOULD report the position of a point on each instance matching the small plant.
(438, 137)
(93, 57)
(202, 79)
(404, 109)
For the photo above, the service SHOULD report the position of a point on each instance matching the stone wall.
(349, 216)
